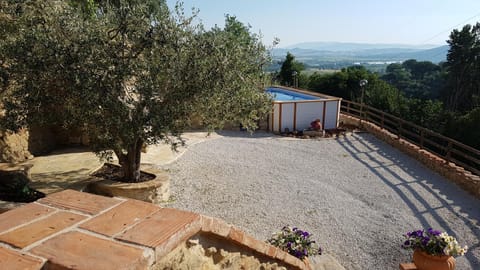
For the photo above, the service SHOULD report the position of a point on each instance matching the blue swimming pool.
(295, 109)
(285, 95)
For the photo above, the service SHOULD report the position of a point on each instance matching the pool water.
(285, 95)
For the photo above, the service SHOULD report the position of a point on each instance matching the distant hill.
(328, 54)
(343, 46)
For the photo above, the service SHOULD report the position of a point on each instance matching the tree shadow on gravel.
(435, 186)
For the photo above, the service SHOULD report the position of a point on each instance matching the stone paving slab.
(10, 259)
(33, 232)
(83, 202)
(22, 215)
(158, 228)
(119, 218)
(76, 250)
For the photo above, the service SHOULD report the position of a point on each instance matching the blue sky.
(367, 21)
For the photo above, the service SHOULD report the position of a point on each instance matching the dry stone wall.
(200, 253)
(19, 146)
(14, 146)
(41, 140)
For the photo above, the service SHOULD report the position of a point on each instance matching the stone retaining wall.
(465, 179)
(14, 146)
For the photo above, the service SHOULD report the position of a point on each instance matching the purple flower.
(298, 254)
(296, 242)
(433, 232)
(425, 240)
(428, 240)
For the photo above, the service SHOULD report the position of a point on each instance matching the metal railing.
(447, 148)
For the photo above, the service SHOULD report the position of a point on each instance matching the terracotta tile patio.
(76, 230)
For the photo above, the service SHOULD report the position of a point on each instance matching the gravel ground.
(357, 195)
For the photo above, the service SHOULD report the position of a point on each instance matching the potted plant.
(433, 250)
(296, 242)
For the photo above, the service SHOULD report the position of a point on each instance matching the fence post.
(422, 135)
(399, 129)
(449, 151)
(383, 120)
(361, 112)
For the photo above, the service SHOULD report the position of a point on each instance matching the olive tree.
(130, 73)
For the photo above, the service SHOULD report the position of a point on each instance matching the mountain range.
(319, 54)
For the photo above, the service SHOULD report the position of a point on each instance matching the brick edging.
(221, 229)
(457, 174)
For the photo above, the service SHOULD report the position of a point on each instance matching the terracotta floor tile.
(159, 227)
(10, 259)
(76, 250)
(408, 266)
(80, 201)
(22, 215)
(33, 232)
(120, 217)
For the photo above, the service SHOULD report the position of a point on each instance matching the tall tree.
(463, 65)
(290, 68)
(129, 73)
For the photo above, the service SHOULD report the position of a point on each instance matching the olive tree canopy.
(127, 72)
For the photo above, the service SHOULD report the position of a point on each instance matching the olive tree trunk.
(130, 162)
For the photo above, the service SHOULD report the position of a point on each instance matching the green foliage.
(303, 80)
(131, 73)
(463, 65)
(290, 67)
(345, 84)
(426, 113)
(423, 80)
(465, 128)
(238, 59)
(381, 95)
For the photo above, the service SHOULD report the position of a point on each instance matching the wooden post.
(399, 130)
(361, 111)
(449, 151)
(383, 120)
(422, 138)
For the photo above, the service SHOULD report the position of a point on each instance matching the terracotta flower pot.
(424, 261)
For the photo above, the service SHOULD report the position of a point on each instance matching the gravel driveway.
(357, 195)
